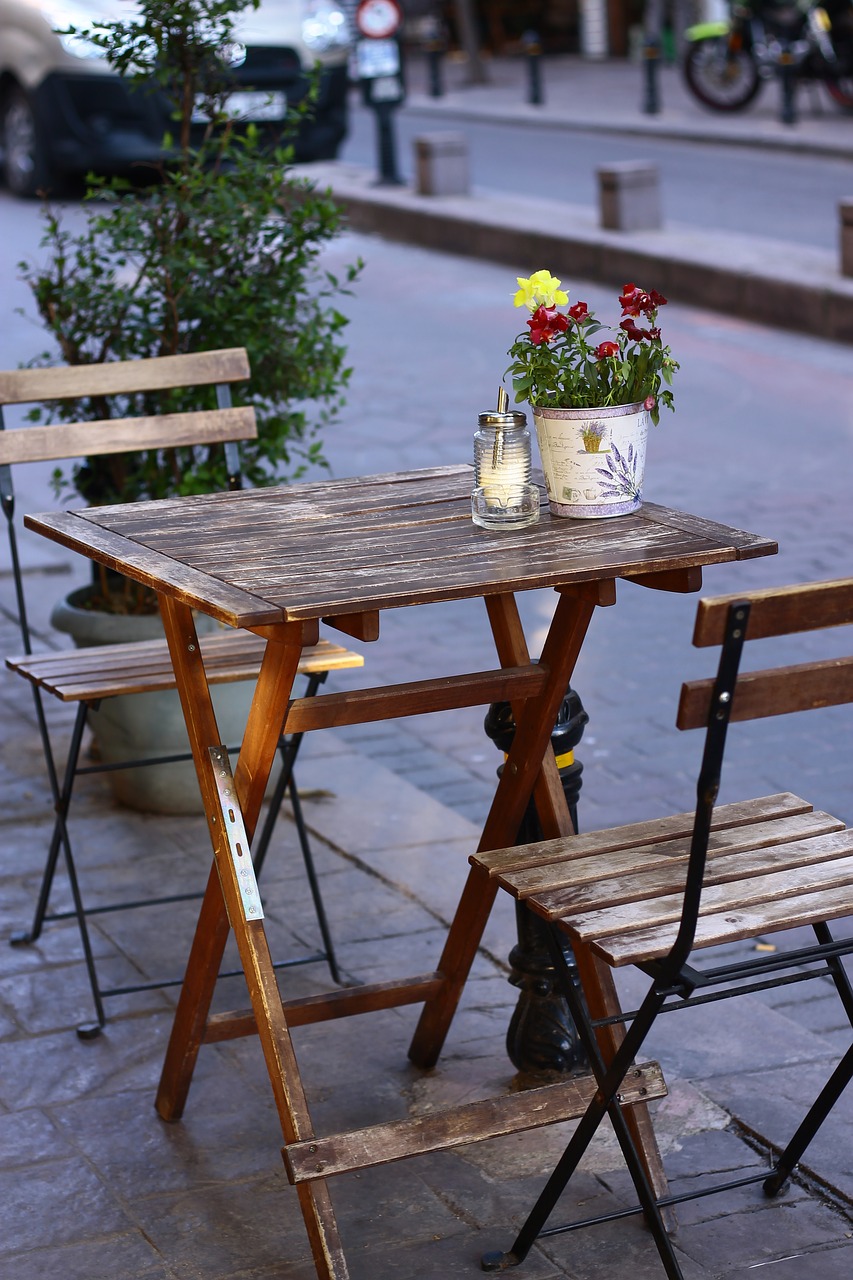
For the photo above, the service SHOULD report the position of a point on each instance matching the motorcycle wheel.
(722, 78)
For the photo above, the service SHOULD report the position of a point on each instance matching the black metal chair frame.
(674, 984)
(61, 793)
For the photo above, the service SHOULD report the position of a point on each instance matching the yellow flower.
(540, 289)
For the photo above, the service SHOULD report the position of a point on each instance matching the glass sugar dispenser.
(504, 496)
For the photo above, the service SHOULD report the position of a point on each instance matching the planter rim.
(606, 411)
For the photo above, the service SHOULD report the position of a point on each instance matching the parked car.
(63, 111)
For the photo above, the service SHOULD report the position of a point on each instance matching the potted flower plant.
(592, 390)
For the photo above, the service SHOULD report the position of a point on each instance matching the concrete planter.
(145, 725)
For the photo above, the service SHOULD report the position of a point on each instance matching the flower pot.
(593, 459)
(140, 726)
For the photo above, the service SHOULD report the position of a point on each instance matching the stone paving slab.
(208, 1196)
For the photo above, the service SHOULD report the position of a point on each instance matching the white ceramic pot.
(594, 459)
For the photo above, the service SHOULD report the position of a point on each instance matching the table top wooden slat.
(341, 547)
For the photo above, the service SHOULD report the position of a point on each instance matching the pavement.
(758, 278)
(93, 1186)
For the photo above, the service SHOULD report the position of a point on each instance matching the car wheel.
(25, 165)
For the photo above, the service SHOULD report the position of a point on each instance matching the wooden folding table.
(279, 561)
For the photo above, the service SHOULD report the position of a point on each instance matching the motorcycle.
(727, 63)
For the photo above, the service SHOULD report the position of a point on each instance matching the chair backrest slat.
(779, 611)
(773, 692)
(65, 441)
(126, 435)
(70, 382)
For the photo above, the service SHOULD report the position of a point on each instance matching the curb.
(767, 135)
(765, 281)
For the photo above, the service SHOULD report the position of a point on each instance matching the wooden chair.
(87, 676)
(653, 893)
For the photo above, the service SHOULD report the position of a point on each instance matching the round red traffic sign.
(378, 19)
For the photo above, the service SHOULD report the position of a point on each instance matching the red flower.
(636, 334)
(627, 299)
(635, 302)
(605, 350)
(545, 324)
(579, 311)
(649, 402)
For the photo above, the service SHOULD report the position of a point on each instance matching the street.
(775, 194)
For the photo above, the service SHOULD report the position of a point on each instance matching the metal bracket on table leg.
(235, 833)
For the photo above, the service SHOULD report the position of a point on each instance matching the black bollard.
(542, 1039)
(533, 50)
(787, 84)
(434, 53)
(651, 65)
(386, 143)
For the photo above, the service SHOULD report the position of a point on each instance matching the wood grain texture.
(348, 547)
(733, 924)
(623, 903)
(389, 702)
(218, 599)
(303, 1011)
(105, 671)
(779, 611)
(126, 435)
(627, 876)
(777, 691)
(472, 1122)
(526, 867)
(767, 874)
(70, 382)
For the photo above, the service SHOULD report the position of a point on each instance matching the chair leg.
(289, 749)
(609, 1078)
(831, 1091)
(60, 840)
(818, 1112)
(314, 884)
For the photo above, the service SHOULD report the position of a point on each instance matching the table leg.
(222, 902)
(530, 765)
(213, 924)
(519, 778)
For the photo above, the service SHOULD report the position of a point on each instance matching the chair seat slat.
(774, 847)
(79, 675)
(730, 926)
(550, 864)
(775, 880)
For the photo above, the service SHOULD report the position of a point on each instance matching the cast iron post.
(533, 50)
(651, 63)
(435, 50)
(787, 83)
(542, 1038)
(386, 145)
